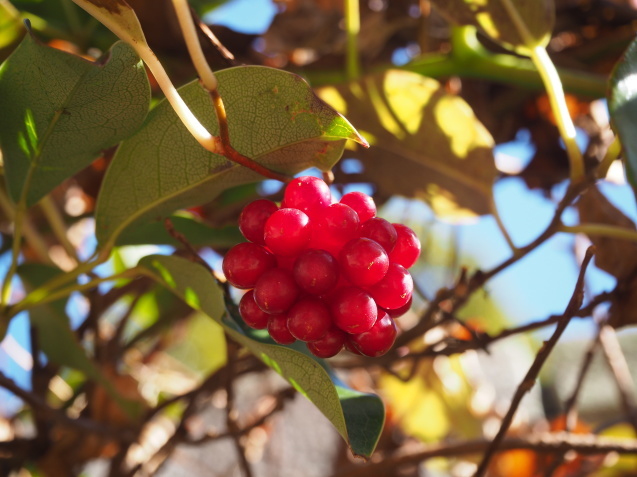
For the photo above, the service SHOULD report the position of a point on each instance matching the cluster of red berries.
(329, 274)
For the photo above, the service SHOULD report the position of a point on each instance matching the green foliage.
(59, 111)
(516, 24)
(273, 117)
(358, 417)
(196, 232)
(444, 153)
(622, 104)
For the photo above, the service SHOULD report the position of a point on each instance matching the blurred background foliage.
(465, 150)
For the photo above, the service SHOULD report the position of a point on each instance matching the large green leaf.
(358, 417)
(425, 142)
(58, 341)
(59, 111)
(274, 118)
(622, 104)
(196, 232)
(498, 19)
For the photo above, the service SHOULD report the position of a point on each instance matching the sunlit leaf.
(274, 118)
(10, 24)
(59, 111)
(358, 417)
(425, 143)
(498, 19)
(58, 341)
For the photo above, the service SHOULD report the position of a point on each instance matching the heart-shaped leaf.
(503, 20)
(622, 104)
(58, 341)
(59, 111)
(425, 142)
(274, 118)
(358, 417)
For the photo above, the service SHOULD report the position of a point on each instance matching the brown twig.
(280, 401)
(205, 29)
(40, 407)
(549, 443)
(570, 406)
(181, 238)
(231, 413)
(621, 372)
(533, 372)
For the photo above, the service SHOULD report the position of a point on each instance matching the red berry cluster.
(329, 274)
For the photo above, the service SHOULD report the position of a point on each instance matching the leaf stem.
(31, 235)
(612, 153)
(188, 29)
(555, 92)
(41, 296)
(501, 226)
(54, 217)
(352, 27)
(604, 230)
(210, 84)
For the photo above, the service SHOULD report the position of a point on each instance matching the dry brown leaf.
(615, 256)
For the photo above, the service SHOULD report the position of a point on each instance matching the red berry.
(407, 248)
(308, 194)
(287, 231)
(361, 203)
(253, 316)
(378, 340)
(349, 346)
(381, 231)
(398, 312)
(335, 226)
(245, 263)
(253, 217)
(363, 261)
(329, 345)
(276, 291)
(395, 289)
(316, 271)
(278, 329)
(353, 310)
(309, 319)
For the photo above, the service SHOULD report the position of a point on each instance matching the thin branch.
(40, 407)
(280, 401)
(231, 412)
(533, 372)
(621, 372)
(205, 29)
(570, 407)
(181, 238)
(549, 443)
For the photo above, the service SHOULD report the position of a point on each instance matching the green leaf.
(358, 417)
(197, 233)
(425, 143)
(58, 341)
(497, 19)
(274, 118)
(10, 24)
(622, 105)
(59, 111)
